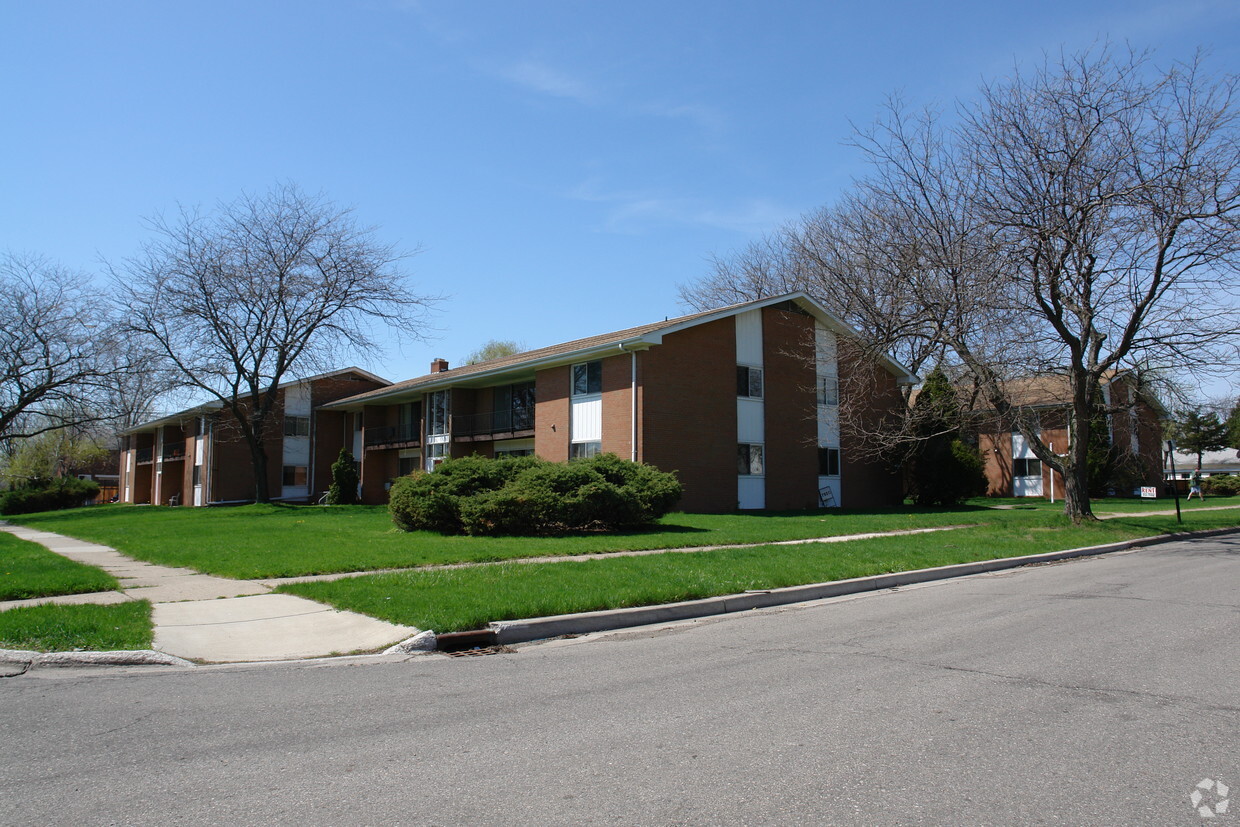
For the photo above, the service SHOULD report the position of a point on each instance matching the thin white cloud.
(633, 213)
(540, 77)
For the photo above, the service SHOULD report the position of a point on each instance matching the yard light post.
(1175, 484)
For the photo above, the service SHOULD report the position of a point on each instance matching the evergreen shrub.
(530, 496)
(54, 495)
(1221, 485)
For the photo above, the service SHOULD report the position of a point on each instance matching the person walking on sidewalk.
(1194, 485)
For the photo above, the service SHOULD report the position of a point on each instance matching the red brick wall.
(551, 414)
(617, 405)
(790, 409)
(688, 419)
(871, 392)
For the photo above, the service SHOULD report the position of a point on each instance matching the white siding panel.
(750, 421)
(296, 450)
(751, 492)
(198, 450)
(833, 483)
(826, 351)
(297, 400)
(1020, 447)
(749, 338)
(587, 420)
(829, 425)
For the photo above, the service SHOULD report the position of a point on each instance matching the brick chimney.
(439, 365)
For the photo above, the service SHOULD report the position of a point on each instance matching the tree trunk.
(1076, 506)
(258, 458)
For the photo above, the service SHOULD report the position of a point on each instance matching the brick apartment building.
(1134, 422)
(198, 457)
(741, 402)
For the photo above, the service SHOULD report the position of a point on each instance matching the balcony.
(145, 455)
(392, 435)
(174, 452)
(493, 425)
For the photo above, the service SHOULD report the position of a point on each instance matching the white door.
(1026, 469)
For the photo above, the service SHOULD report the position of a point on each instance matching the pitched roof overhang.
(215, 404)
(522, 366)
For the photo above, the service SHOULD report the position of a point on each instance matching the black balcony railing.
(146, 454)
(392, 435)
(492, 422)
(174, 451)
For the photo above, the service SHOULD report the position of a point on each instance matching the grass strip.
(258, 541)
(458, 599)
(29, 570)
(51, 628)
(282, 541)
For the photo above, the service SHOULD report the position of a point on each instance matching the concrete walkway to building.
(216, 619)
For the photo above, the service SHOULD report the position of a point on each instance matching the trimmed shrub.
(947, 473)
(1221, 485)
(343, 490)
(527, 495)
(60, 493)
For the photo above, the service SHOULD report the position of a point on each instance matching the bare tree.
(57, 348)
(263, 290)
(1080, 219)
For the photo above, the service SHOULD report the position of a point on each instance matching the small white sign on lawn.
(1149, 492)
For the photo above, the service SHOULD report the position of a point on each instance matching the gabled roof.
(1054, 390)
(215, 404)
(641, 337)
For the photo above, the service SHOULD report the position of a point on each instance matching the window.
(294, 475)
(587, 378)
(828, 390)
(1027, 467)
(749, 382)
(435, 454)
(828, 462)
(585, 450)
(297, 426)
(502, 453)
(197, 476)
(749, 460)
(437, 413)
(514, 407)
(407, 465)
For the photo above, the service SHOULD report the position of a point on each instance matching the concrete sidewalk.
(216, 619)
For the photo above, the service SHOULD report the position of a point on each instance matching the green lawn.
(457, 599)
(65, 628)
(1107, 505)
(29, 570)
(280, 541)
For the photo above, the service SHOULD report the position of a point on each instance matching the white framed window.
(748, 382)
(436, 452)
(1026, 467)
(750, 461)
(297, 426)
(587, 378)
(828, 462)
(828, 390)
(294, 475)
(437, 413)
(585, 450)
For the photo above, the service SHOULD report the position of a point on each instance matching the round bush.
(528, 495)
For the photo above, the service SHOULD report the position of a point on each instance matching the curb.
(138, 657)
(541, 628)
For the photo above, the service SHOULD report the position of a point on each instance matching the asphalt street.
(1096, 691)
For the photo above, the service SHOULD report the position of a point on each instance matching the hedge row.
(64, 492)
(528, 495)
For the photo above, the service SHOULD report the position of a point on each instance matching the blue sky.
(563, 166)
